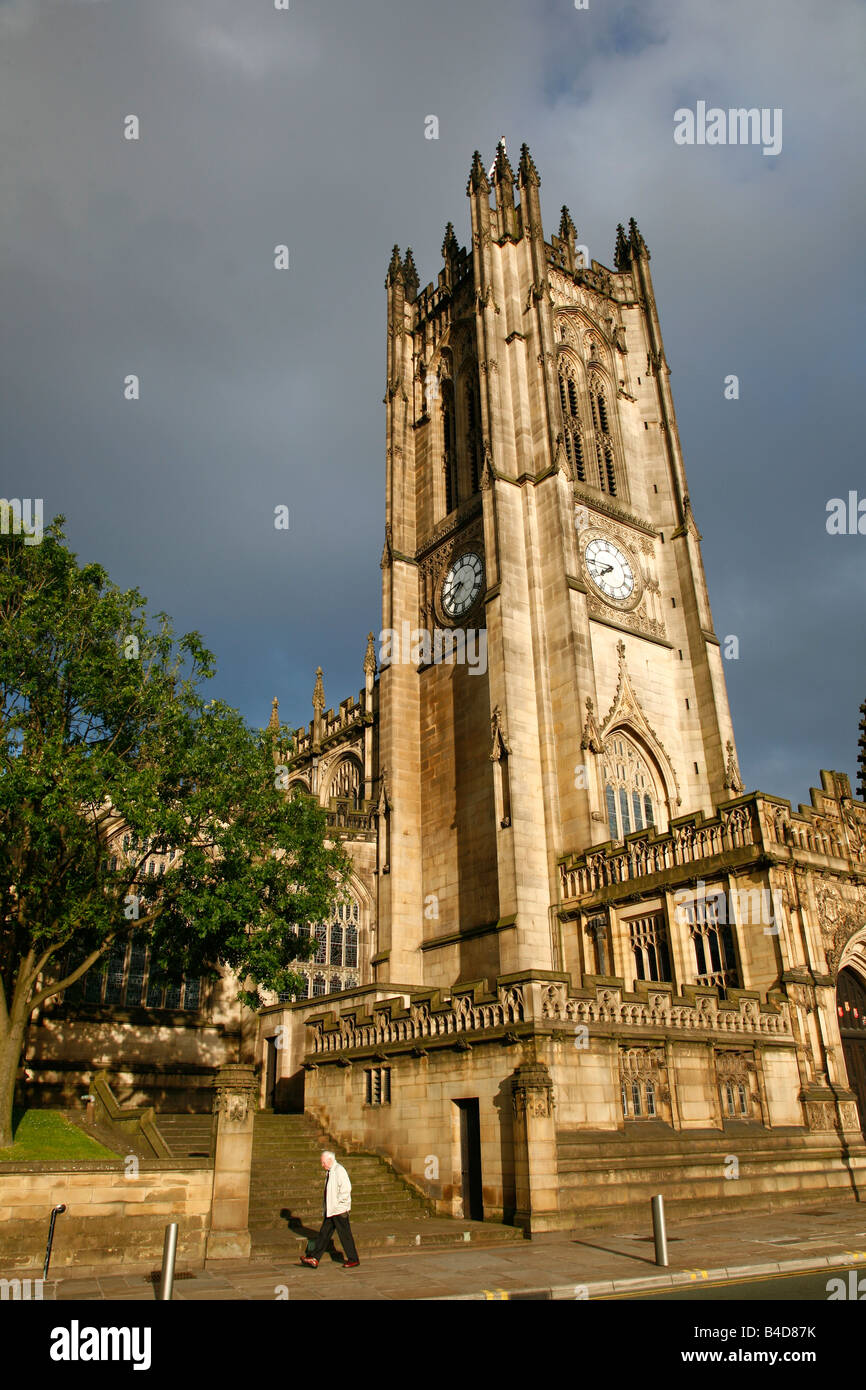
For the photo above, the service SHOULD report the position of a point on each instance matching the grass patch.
(47, 1135)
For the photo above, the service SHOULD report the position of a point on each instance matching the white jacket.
(339, 1193)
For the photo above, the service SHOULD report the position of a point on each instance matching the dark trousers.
(323, 1239)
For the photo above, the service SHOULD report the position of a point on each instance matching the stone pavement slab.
(586, 1264)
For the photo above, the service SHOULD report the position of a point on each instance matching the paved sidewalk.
(589, 1264)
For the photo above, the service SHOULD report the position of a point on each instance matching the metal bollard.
(660, 1235)
(169, 1251)
(55, 1212)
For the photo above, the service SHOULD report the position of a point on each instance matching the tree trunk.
(11, 1044)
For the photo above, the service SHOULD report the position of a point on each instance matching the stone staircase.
(188, 1136)
(286, 1186)
(608, 1178)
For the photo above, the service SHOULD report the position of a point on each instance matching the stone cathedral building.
(580, 963)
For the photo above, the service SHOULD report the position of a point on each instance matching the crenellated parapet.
(606, 1004)
(522, 1006)
(753, 829)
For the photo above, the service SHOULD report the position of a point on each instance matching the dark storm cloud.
(262, 388)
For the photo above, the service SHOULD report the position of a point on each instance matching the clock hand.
(605, 569)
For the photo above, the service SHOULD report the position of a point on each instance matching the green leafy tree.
(106, 737)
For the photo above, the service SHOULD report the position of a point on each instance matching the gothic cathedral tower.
(555, 681)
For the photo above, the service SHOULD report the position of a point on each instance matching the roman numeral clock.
(462, 585)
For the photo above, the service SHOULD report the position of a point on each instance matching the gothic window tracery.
(649, 947)
(604, 454)
(712, 942)
(630, 791)
(346, 782)
(571, 419)
(127, 982)
(473, 431)
(643, 1092)
(337, 948)
(449, 440)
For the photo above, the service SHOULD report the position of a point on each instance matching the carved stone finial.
(395, 267)
(622, 250)
(410, 275)
(450, 248)
(387, 554)
(526, 168)
(620, 648)
(274, 721)
(502, 170)
(370, 656)
(478, 181)
(689, 517)
(733, 780)
(318, 693)
(636, 241)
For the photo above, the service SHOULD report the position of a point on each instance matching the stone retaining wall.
(115, 1215)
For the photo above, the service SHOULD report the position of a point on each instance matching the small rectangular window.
(377, 1086)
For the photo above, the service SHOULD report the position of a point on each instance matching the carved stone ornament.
(627, 712)
(532, 1091)
(733, 780)
(646, 1063)
(592, 738)
(855, 819)
(840, 916)
(387, 553)
(234, 1093)
(734, 1066)
(500, 743)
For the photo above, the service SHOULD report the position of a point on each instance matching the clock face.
(462, 584)
(609, 568)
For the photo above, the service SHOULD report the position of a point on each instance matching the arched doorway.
(851, 1011)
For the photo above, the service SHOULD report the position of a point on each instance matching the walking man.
(336, 1203)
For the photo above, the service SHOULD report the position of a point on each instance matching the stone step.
(287, 1174)
(651, 1139)
(384, 1235)
(186, 1134)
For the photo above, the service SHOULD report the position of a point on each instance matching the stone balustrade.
(742, 1013)
(686, 842)
(430, 1018)
(756, 822)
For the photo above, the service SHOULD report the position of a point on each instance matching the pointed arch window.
(449, 439)
(571, 419)
(630, 790)
(612, 822)
(473, 431)
(346, 782)
(337, 945)
(604, 454)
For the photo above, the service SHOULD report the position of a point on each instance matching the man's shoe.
(305, 1260)
(350, 1264)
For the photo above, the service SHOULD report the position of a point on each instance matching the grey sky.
(258, 387)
